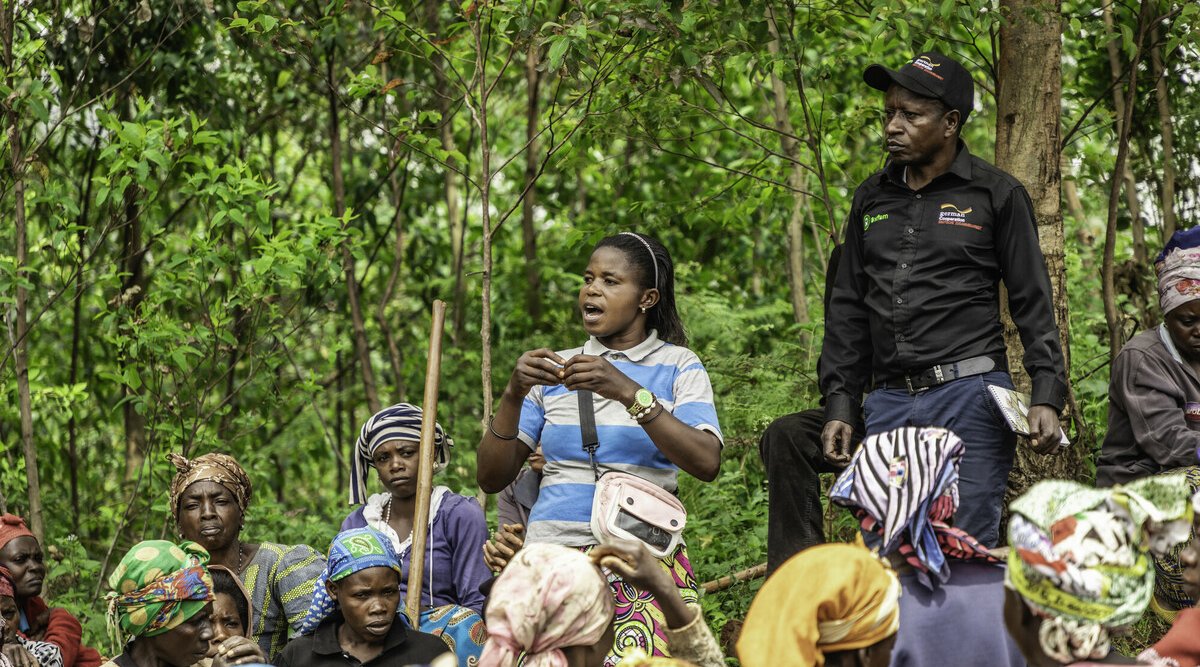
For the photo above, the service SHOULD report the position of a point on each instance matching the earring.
(643, 309)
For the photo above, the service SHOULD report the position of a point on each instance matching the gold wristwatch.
(643, 401)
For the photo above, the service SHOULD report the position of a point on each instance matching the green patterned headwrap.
(157, 586)
(1079, 556)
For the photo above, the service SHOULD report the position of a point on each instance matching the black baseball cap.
(929, 74)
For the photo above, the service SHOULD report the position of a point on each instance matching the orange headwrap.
(832, 597)
(12, 527)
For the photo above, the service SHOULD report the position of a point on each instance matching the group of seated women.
(588, 567)
(650, 405)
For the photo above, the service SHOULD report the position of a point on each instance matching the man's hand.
(1043, 429)
(503, 546)
(836, 440)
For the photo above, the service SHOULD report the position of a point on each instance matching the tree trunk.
(397, 188)
(485, 204)
(361, 348)
(795, 223)
(1167, 130)
(533, 281)
(21, 339)
(133, 293)
(1112, 316)
(1028, 103)
(1131, 201)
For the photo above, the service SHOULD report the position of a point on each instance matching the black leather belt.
(940, 374)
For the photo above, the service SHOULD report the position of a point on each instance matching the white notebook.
(1015, 407)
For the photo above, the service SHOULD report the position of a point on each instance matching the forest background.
(228, 222)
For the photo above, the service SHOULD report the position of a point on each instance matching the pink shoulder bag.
(627, 506)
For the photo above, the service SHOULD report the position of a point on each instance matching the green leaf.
(558, 48)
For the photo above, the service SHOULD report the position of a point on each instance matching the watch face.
(644, 397)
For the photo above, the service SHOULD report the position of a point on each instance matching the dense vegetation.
(228, 222)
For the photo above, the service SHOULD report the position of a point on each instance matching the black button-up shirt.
(918, 284)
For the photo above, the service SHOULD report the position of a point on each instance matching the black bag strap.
(587, 428)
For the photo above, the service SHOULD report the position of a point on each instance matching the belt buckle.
(937, 374)
(908, 383)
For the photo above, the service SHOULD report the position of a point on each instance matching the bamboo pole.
(433, 368)
(729, 580)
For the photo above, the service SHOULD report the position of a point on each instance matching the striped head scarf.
(827, 598)
(903, 487)
(351, 551)
(1178, 269)
(220, 468)
(1079, 556)
(157, 586)
(548, 598)
(399, 422)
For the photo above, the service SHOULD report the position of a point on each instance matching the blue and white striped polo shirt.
(550, 415)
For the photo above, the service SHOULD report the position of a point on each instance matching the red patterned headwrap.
(6, 584)
(12, 527)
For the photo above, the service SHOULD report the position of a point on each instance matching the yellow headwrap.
(832, 597)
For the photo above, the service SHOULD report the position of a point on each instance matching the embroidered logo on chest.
(1191, 412)
(869, 220)
(949, 214)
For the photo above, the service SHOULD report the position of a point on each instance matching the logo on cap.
(926, 65)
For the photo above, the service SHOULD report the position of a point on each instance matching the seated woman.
(161, 600)
(1078, 569)
(952, 585)
(21, 555)
(1154, 398)
(353, 619)
(831, 604)
(22, 652)
(1180, 647)
(209, 498)
(653, 416)
(552, 601)
(451, 602)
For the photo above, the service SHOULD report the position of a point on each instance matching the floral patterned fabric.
(157, 586)
(1079, 556)
(639, 621)
(1178, 268)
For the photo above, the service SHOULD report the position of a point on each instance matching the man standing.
(914, 317)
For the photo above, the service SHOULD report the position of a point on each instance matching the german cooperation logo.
(927, 66)
(953, 215)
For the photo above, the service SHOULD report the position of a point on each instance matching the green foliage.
(187, 270)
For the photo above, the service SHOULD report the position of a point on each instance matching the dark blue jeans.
(966, 407)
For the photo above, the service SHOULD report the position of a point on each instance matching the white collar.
(373, 514)
(635, 354)
(1170, 344)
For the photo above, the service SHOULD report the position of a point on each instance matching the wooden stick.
(729, 580)
(433, 369)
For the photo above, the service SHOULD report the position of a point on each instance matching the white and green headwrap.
(1079, 556)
